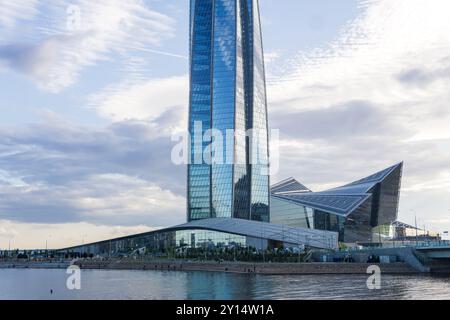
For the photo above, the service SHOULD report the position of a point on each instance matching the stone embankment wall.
(258, 268)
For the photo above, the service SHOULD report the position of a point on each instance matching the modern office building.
(227, 92)
(354, 210)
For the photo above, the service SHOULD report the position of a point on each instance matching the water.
(105, 284)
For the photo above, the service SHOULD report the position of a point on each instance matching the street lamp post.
(415, 221)
(415, 224)
(83, 238)
(46, 245)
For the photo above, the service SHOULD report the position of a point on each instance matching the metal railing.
(404, 244)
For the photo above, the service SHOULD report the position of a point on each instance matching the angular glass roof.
(336, 204)
(403, 225)
(289, 185)
(342, 200)
(374, 178)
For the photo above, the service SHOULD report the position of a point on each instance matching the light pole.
(46, 245)
(415, 224)
(263, 248)
(415, 221)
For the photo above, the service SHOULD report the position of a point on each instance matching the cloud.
(145, 100)
(354, 118)
(386, 39)
(54, 172)
(82, 36)
(420, 77)
(270, 57)
(13, 11)
(111, 199)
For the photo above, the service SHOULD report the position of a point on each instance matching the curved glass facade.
(208, 239)
(227, 94)
(209, 234)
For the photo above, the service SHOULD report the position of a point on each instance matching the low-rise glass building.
(211, 234)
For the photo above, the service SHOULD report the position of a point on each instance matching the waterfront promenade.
(430, 258)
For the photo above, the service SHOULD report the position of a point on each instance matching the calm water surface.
(104, 284)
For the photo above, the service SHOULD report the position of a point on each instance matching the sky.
(91, 94)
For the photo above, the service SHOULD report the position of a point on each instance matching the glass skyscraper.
(227, 93)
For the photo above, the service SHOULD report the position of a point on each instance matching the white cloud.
(429, 185)
(69, 43)
(119, 195)
(121, 174)
(13, 11)
(115, 198)
(144, 100)
(389, 38)
(7, 178)
(272, 56)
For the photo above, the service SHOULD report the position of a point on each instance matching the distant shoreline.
(228, 267)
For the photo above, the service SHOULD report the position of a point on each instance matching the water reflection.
(102, 284)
